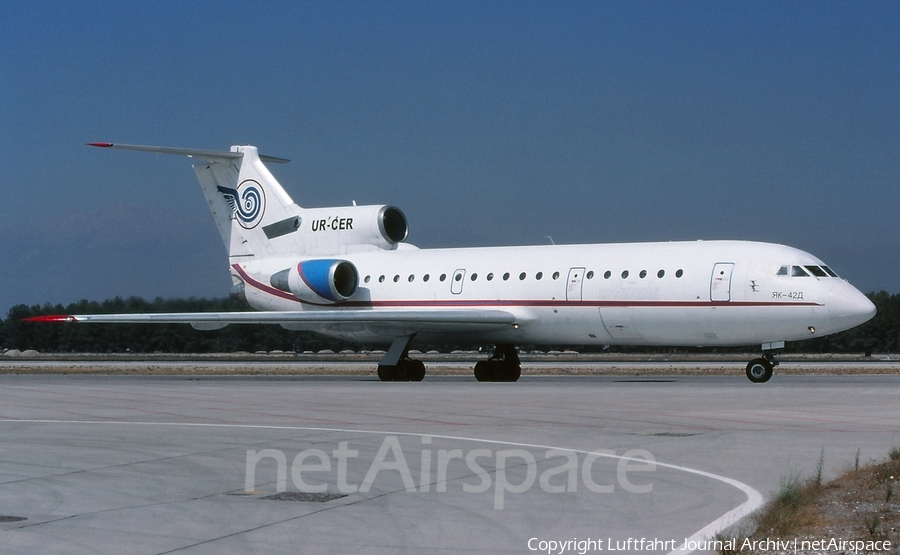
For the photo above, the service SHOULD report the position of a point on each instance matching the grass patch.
(788, 509)
(859, 505)
(894, 454)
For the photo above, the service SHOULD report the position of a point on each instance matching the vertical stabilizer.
(248, 204)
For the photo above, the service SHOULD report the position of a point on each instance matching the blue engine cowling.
(329, 280)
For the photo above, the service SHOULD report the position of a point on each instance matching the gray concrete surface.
(144, 464)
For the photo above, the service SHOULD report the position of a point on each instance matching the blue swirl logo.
(248, 202)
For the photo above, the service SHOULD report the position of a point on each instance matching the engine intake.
(392, 224)
(315, 281)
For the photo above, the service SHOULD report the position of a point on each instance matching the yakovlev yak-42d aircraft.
(347, 272)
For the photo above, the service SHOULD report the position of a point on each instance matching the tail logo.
(248, 202)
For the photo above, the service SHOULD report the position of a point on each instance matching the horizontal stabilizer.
(192, 152)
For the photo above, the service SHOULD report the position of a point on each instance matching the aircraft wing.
(401, 321)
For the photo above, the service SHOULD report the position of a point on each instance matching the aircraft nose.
(848, 307)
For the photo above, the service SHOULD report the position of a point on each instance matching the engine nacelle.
(315, 281)
(332, 229)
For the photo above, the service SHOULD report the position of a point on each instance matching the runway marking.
(708, 532)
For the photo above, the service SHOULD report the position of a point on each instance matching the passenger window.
(367, 279)
(643, 274)
(380, 279)
(411, 277)
(625, 274)
(539, 275)
(607, 275)
(457, 277)
(522, 276)
(396, 278)
(590, 275)
(816, 271)
(783, 271)
(474, 276)
(797, 271)
(555, 275)
(490, 276)
(426, 277)
(443, 277)
(679, 272)
(506, 276)
(660, 274)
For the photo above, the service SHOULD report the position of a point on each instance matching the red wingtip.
(101, 145)
(50, 318)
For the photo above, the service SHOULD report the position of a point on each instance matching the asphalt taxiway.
(235, 464)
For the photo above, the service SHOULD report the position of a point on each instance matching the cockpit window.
(806, 271)
(816, 271)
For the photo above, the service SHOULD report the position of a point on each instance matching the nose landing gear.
(759, 370)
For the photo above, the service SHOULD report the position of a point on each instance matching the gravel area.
(859, 512)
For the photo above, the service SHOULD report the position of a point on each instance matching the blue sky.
(486, 123)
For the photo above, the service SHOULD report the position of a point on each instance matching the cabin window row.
(522, 276)
(473, 277)
(679, 273)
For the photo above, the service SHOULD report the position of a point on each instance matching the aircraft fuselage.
(702, 293)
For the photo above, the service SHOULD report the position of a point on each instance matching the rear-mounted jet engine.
(314, 281)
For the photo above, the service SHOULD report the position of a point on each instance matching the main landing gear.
(503, 366)
(396, 366)
(759, 370)
(406, 370)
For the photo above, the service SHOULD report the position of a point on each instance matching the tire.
(512, 372)
(387, 373)
(417, 372)
(759, 370)
(404, 371)
(483, 371)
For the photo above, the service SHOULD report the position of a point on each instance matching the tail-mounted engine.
(315, 281)
(341, 229)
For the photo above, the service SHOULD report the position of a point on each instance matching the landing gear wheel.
(404, 370)
(417, 371)
(483, 371)
(759, 370)
(512, 372)
(387, 373)
(503, 366)
(407, 370)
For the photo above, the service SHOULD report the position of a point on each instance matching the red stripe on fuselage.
(262, 286)
(497, 303)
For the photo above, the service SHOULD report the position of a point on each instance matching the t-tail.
(257, 218)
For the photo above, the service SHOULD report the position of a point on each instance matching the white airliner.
(347, 272)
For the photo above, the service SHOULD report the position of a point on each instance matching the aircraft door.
(574, 283)
(720, 282)
(456, 283)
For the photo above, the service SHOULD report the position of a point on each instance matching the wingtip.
(50, 318)
(101, 145)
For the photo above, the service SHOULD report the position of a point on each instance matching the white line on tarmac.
(708, 532)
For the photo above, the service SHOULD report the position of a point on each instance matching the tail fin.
(248, 204)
